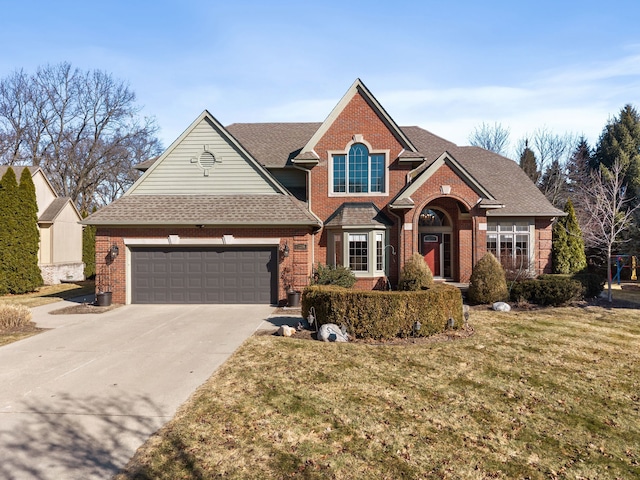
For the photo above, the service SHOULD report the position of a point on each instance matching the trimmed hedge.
(592, 283)
(332, 275)
(385, 315)
(547, 290)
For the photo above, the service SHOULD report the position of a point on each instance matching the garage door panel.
(204, 275)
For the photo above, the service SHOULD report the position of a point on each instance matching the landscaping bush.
(12, 316)
(488, 283)
(385, 315)
(592, 283)
(331, 275)
(547, 290)
(416, 274)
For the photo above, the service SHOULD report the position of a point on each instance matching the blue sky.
(568, 66)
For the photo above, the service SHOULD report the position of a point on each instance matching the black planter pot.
(293, 298)
(103, 299)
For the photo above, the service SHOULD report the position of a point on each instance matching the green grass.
(549, 393)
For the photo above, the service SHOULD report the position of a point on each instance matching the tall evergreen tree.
(529, 164)
(553, 184)
(568, 244)
(9, 233)
(579, 165)
(89, 248)
(29, 236)
(620, 140)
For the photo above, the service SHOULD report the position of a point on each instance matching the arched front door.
(434, 242)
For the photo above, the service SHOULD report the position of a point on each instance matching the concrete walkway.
(78, 400)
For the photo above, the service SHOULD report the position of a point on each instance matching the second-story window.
(358, 171)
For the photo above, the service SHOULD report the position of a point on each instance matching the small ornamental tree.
(9, 233)
(488, 283)
(334, 275)
(29, 240)
(416, 274)
(568, 245)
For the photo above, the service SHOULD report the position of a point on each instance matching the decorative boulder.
(286, 331)
(330, 332)
(501, 307)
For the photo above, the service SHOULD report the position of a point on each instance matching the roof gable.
(403, 197)
(206, 159)
(358, 88)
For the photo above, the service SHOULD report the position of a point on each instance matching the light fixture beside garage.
(113, 252)
(285, 249)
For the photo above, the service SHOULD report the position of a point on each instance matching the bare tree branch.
(608, 210)
(81, 127)
(491, 137)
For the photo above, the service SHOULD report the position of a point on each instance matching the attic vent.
(206, 160)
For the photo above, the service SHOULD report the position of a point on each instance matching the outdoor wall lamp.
(285, 249)
(114, 251)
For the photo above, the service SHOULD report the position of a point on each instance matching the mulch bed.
(83, 308)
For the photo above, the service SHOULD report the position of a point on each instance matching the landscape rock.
(330, 332)
(286, 331)
(501, 307)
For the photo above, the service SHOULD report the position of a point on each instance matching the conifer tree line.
(19, 236)
(565, 168)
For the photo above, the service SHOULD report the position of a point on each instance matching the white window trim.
(358, 139)
(531, 232)
(372, 271)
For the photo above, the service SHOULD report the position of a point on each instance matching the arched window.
(358, 171)
(432, 218)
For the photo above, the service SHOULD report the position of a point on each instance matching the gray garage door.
(204, 275)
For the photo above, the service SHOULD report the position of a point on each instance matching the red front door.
(431, 251)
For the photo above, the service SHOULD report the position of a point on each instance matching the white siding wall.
(176, 174)
(44, 194)
(67, 237)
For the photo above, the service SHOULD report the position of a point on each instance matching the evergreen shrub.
(416, 274)
(331, 275)
(488, 283)
(592, 283)
(552, 290)
(385, 315)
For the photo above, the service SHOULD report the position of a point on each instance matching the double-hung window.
(361, 251)
(510, 242)
(358, 171)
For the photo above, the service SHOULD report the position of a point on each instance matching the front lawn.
(551, 393)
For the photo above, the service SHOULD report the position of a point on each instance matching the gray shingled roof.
(358, 213)
(53, 210)
(273, 144)
(501, 176)
(204, 210)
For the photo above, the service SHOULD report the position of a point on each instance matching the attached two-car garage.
(223, 275)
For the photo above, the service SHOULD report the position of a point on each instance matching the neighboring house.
(224, 212)
(60, 249)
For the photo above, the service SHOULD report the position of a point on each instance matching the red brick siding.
(544, 237)
(299, 261)
(357, 118)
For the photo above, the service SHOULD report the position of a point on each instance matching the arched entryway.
(435, 242)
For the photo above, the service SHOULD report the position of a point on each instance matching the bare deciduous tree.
(491, 137)
(608, 211)
(81, 127)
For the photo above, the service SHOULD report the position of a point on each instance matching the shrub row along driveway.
(78, 400)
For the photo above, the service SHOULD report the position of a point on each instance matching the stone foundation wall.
(53, 274)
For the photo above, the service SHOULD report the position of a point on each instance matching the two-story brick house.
(236, 214)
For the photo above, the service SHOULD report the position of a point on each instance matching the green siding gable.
(186, 167)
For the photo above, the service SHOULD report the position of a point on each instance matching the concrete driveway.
(78, 400)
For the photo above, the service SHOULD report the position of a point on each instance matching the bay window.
(361, 251)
